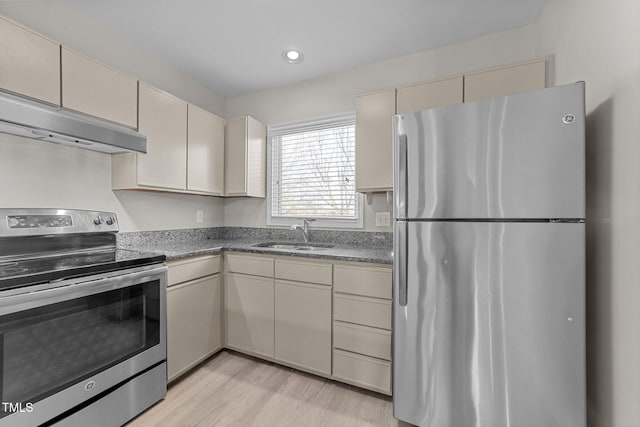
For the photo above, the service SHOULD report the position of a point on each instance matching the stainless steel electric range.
(82, 323)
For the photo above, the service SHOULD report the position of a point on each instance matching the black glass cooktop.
(26, 272)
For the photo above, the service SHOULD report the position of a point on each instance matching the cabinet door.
(362, 279)
(374, 147)
(249, 313)
(205, 152)
(194, 323)
(505, 81)
(235, 166)
(429, 95)
(29, 63)
(245, 158)
(93, 88)
(303, 325)
(163, 119)
(256, 158)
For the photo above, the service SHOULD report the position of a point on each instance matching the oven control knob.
(109, 220)
(97, 221)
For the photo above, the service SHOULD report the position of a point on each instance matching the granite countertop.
(175, 249)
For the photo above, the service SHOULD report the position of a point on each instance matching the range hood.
(31, 119)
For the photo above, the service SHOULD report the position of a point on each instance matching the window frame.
(300, 126)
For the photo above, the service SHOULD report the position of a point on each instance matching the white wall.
(336, 94)
(55, 20)
(36, 174)
(590, 40)
(599, 42)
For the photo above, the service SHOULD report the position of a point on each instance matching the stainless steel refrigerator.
(489, 266)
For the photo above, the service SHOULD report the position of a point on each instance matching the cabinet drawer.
(368, 281)
(361, 370)
(362, 339)
(304, 271)
(362, 310)
(247, 264)
(192, 268)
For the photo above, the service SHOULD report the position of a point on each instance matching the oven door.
(76, 339)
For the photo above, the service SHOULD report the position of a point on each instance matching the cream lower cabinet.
(362, 325)
(303, 314)
(194, 312)
(249, 304)
(333, 320)
(249, 313)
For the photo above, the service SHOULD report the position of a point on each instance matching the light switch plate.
(383, 219)
(199, 216)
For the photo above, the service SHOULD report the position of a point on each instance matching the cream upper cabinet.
(374, 138)
(374, 147)
(427, 95)
(163, 119)
(205, 152)
(374, 126)
(245, 157)
(29, 63)
(185, 148)
(95, 89)
(505, 80)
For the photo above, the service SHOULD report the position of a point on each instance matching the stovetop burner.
(42, 245)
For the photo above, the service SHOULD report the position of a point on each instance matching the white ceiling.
(234, 46)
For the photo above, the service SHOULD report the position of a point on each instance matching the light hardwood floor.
(237, 390)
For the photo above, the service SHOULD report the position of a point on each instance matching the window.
(312, 173)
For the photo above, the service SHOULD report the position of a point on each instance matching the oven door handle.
(65, 290)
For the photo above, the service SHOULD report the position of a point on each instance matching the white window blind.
(313, 170)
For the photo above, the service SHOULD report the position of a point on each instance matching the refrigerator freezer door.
(493, 331)
(520, 156)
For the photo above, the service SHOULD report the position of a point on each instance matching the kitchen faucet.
(303, 228)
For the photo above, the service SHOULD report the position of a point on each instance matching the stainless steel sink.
(299, 246)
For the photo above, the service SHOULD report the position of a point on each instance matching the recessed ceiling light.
(292, 56)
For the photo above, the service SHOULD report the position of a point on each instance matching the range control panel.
(30, 222)
(39, 221)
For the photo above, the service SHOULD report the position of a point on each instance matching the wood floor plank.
(235, 390)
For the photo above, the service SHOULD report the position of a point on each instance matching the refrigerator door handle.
(400, 262)
(400, 169)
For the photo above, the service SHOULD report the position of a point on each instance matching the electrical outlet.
(200, 216)
(383, 219)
